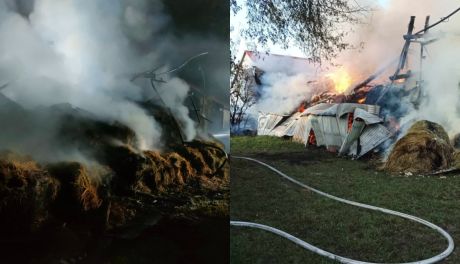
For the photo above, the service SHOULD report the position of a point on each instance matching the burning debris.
(369, 116)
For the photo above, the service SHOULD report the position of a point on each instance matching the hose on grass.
(333, 256)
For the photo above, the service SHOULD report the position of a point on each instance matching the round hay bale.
(425, 148)
(429, 127)
(456, 162)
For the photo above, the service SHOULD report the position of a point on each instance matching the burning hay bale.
(26, 192)
(425, 148)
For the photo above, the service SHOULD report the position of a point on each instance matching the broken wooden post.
(407, 37)
(418, 92)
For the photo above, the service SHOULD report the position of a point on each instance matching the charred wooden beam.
(405, 50)
(373, 76)
(412, 36)
(401, 76)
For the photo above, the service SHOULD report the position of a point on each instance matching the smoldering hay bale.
(424, 149)
(155, 172)
(79, 188)
(26, 192)
(182, 168)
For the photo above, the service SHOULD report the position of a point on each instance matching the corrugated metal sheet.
(356, 130)
(262, 123)
(317, 127)
(330, 132)
(367, 117)
(323, 110)
(330, 125)
(343, 126)
(302, 128)
(290, 130)
(282, 129)
(267, 122)
(345, 108)
(371, 137)
(317, 108)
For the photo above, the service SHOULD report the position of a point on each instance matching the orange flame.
(362, 100)
(341, 78)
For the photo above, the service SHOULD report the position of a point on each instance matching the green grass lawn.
(260, 195)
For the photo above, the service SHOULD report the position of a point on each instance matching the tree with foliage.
(317, 27)
(241, 94)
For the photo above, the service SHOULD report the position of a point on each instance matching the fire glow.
(342, 80)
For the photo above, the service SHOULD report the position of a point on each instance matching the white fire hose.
(330, 255)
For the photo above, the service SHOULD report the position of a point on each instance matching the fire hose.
(333, 256)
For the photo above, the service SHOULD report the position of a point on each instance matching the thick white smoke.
(381, 36)
(285, 82)
(283, 93)
(84, 53)
(441, 72)
(173, 93)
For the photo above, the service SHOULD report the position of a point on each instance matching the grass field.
(259, 195)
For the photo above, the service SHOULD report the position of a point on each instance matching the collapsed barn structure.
(346, 128)
(369, 115)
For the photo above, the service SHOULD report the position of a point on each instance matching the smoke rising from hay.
(85, 53)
